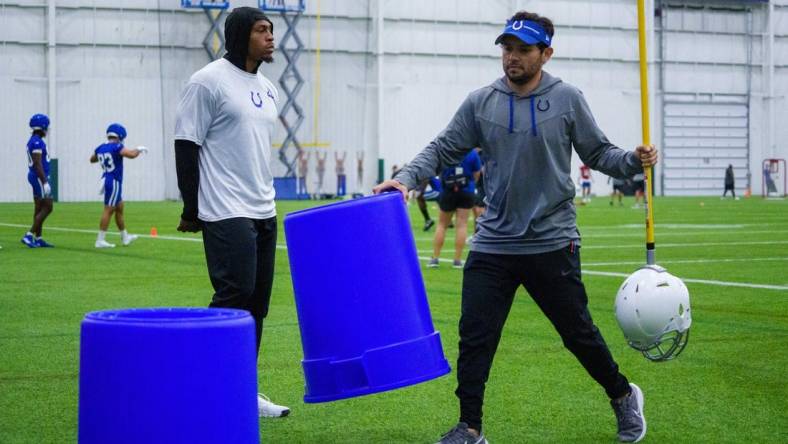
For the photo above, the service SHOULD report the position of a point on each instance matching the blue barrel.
(168, 375)
(362, 308)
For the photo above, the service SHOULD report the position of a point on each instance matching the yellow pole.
(648, 171)
(216, 44)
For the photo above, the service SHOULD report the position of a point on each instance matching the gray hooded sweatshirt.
(527, 146)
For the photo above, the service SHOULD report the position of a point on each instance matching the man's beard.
(267, 59)
(528, 74)
(525, 77)
(521, 79)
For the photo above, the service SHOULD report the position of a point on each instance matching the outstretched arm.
(132, 153)
(449, 148)
(597, 152)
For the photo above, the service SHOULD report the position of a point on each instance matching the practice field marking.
(698, 281)
(689, 244)
(665, 245)
(586, 235)
(691, 261)
(426, 258)
(79, 230)
(696, 226)
(682, 233)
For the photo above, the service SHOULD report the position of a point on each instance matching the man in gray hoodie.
(527, 123)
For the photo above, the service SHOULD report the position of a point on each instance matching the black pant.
(553, 281)
(240, 255)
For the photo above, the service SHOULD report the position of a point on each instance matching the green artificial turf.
(728, 386)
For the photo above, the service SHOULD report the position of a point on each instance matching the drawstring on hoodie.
(533, 116)
(511, 114)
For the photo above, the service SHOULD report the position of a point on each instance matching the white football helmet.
(653, 310)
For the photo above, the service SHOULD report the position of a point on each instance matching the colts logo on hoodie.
(259, 102)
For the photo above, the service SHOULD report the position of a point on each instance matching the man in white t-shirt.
(226, 117)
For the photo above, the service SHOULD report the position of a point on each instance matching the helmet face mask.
(653, 310)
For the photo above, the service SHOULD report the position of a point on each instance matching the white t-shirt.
(231, 114)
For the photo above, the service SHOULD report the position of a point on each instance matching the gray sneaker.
(433, 263)
(629, 416)
(460, 435)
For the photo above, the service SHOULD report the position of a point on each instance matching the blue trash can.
(362, 306)
(168, 375)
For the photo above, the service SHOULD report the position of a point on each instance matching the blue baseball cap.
(528, 31)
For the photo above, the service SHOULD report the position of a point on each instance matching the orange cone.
(153, 232)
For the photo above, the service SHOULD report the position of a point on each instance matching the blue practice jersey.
(37, 145)
(462, 174)
(111, 161)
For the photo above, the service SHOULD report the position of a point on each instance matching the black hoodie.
(237, 29)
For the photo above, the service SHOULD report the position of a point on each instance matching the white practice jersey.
(231, 114)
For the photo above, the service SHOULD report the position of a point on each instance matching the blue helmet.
(39, 122)
(117, 130)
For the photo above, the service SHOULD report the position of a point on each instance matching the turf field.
(728, 386)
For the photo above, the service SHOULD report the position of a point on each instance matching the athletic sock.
(123, 235)
(101, 235)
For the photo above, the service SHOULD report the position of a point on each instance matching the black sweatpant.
(553, 281)
(240, 255)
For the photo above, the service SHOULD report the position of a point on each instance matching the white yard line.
(114, 233)
(687, 244)
(667, 245)
(586, 235)
(691, 261)
(426, 258)
(685, 233)
(698, 281)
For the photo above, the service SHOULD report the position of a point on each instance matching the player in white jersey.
(225, 120)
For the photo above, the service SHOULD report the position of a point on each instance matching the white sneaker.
(129, 239)
(104, 244)
(267, 409)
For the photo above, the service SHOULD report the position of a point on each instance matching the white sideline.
(425, 258)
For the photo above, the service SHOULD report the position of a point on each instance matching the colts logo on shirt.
(259, 102)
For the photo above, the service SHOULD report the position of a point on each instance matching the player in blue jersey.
(110, 156)
(458, 188)
(38, 176)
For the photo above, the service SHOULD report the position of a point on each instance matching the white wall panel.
(128, 60)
